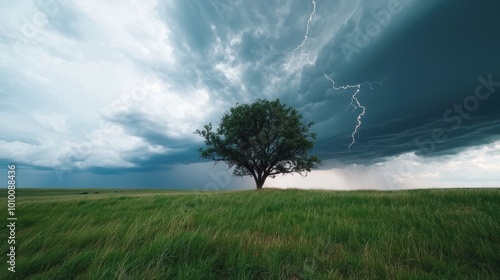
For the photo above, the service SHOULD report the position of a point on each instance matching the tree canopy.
(262, 140)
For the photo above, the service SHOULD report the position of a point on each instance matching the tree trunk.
(260, 182)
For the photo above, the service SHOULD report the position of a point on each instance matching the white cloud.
(52, 121)
(76, 78)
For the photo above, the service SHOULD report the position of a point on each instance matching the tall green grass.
(269, 234)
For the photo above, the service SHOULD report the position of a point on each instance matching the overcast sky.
(109, 93)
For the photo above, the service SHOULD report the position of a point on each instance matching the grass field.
(269, 234)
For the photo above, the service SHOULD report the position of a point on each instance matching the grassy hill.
(269, 234)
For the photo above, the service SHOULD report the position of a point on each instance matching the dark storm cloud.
(208, 178)
(432, 63)
(433, 54)
(150, 130)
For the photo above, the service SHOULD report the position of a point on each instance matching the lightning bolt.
(299, 47)
(355, 103)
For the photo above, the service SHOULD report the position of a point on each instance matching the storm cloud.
(109, 94)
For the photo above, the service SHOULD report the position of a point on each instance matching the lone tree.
(262, 139)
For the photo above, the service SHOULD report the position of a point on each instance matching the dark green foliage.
(262, 139)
